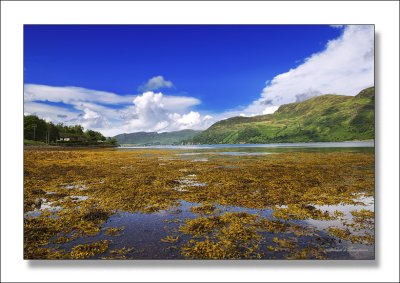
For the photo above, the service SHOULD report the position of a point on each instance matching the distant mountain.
(153, 138)
(321, 118)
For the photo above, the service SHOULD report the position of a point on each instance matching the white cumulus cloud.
(93, 120)
(156, 83)
(159, 113)
(346, 66)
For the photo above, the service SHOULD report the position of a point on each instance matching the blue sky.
(160, 77)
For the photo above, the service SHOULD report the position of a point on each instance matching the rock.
(309, 207)
(38, 202)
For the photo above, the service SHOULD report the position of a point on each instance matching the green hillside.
(322, 118)
(153, 138)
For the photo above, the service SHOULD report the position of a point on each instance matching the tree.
(94, 136)
(35, 128)
(112, 141)
(39, 130)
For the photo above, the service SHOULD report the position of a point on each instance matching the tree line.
(37, 129)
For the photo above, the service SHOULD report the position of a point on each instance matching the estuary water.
(350, 144)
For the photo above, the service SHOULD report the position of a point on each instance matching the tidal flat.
(199, 203)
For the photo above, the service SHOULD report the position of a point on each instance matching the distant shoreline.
(28, 146)
(365, 143)
(128, 144)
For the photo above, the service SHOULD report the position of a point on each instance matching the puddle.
(206, 156)
(188, 181)
(79, 198)
(180, 189)
(241, 153)
(166, 158)
(45, 206)
(48, 206)
(355, 250)
(233, 153)
(200, 160)
(343, 208)
(80, 187)
(143, 232)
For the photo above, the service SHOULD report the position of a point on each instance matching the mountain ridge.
(154, 138)
(328, 117)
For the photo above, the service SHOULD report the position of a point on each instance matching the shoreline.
(27, 146)
(367, 143)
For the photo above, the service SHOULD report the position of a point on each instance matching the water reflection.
(144, 232)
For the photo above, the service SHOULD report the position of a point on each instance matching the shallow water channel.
(145, 231)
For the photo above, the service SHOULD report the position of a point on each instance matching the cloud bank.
(111, 113)
(72, 95)
(345, 66)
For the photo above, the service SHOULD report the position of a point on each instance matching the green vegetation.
(39, 132)
(153, 138)
(346, 234)
(36, 143)
(115, 231)
(319, 119)
(229, 236)
(89, 250)
(203, 209)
